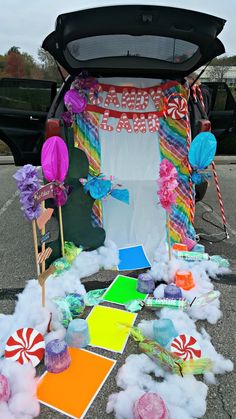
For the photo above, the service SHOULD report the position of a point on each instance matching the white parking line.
(8, 203)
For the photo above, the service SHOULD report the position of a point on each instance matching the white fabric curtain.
(133, 159)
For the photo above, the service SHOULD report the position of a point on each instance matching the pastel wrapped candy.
(192, 256)
(61, 265)
(167, 360)
(158, 303)
(205, 298)
(65, 315)
(94, 297)
(71, 251)
(76, 304)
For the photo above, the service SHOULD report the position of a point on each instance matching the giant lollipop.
(55, 163)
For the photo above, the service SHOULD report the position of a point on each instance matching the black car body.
(126, 40)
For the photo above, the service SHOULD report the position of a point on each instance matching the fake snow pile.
(185, 397)
(23, 403)
(28, 311)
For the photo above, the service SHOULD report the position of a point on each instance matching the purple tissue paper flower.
(27, 180)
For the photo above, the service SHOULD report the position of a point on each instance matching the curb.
(225, 159)
(7, 160)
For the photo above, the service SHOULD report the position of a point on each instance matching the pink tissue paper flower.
(167, 184)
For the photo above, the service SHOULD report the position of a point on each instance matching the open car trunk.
(137, 40)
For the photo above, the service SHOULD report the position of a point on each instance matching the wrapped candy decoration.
(70, 307)
(223, 263)
(158, 303)
(167, 360)
(71, 251)
(134, 305)
(65, 315)
(205, 298)
(94, 297)
(76, 304)
(192, 256)
(61, 265)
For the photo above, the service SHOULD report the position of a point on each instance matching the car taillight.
(53, 127)
(204, 125)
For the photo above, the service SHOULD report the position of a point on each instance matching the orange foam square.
(72, 391)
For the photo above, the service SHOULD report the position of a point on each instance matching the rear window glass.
(146, 46)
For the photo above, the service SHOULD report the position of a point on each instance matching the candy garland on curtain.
(173, 136)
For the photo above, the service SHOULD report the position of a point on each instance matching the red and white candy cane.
(220, 198)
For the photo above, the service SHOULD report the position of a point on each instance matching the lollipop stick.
(61, 231)
(43, 232)
(35, 246)
(168, 235)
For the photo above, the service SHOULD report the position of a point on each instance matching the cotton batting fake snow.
(29, 312)
(185, 397)
(23, 403)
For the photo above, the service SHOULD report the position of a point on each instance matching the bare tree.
(217, 72)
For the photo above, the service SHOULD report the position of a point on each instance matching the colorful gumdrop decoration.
(25, 345)
(55, 164)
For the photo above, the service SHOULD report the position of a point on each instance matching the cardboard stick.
(168, 235)
(35, 246)
(43, 232)
(61, 231)
(42, 279)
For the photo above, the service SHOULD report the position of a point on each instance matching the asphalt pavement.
(17, 266)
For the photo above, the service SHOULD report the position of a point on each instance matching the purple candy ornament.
(4, 389)
(146, 283)
(173, 292)
(74, 101)
(57, 357)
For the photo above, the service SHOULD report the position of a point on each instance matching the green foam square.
(122, 290)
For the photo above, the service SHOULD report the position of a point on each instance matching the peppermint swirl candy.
(185, 347)
(25, 345)
(177, 107)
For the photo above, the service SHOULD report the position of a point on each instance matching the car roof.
(134, 39)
